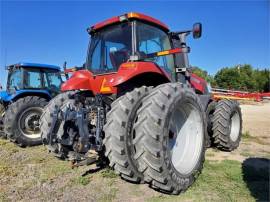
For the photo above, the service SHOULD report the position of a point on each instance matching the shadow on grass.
(256, 176)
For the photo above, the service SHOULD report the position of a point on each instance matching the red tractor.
(136, 104)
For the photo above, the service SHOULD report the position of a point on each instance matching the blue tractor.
(29, 88)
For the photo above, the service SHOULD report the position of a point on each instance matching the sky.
(234, 32)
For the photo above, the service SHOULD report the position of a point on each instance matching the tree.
(240, 77)
(204, 74)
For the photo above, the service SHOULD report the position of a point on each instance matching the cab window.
(52, 80)
(32, 79)
(151, 40)
(110, 48)
(15, 79)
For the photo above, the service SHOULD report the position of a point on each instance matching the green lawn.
(227, 181)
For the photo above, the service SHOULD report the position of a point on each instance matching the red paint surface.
(198, 83)
(130, 15)
(85, 80)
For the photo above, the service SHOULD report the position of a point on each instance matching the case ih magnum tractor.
(136, 103)
(30, 86)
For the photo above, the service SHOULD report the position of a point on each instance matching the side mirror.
(197, 30)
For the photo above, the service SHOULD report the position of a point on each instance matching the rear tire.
(2, 115)
(46, 122)
(209, 117)
(227, 125)
(21, 120)
(118, 134)
(159, 137)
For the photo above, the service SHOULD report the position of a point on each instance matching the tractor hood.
(4, 96)
(7, 97)
(85, 80)
(80, 80)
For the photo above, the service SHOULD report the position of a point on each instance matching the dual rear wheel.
(157, 136)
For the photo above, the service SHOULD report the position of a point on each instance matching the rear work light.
(122, 18)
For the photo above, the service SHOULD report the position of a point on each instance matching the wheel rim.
(235, 126)
(186, 138)
(29, 122)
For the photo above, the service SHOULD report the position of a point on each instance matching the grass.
(109, 196)
(9, 147)
(209, 154)
(225, 180)
(6, 170)
(108, 173)
(246, 154)
(53, 170)
(83, 180)
(222, 181)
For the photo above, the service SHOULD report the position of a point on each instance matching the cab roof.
(35, 65)
(131, 15)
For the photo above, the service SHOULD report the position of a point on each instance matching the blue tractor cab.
(29, 88)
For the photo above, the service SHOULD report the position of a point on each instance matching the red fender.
(198, 83)
(107, 83)
(129, 70)
(80, 80)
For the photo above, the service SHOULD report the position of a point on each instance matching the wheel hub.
(186, 138)
(235, 126)
(32, 122)
(29, 122)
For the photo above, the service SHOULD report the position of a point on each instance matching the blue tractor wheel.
(2, 113)
(21, 121)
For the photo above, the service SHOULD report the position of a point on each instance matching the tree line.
(240, 77)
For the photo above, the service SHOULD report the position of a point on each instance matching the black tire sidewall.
(129, 133)
(211, 107)
(210, 111)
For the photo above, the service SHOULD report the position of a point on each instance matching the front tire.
(170, 137)
(21, 121)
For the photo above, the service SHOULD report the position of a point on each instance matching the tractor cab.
(132, 37)
(33, 77)
(133, 50)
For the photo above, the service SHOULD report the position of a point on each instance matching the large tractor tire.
(119, 134)
(227, 125)
(2, 115)
(209, 117)
(21, 122)
(170, 134)
(46, 122)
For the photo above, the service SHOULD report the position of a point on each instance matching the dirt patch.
(256, 120)
(256, 135)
